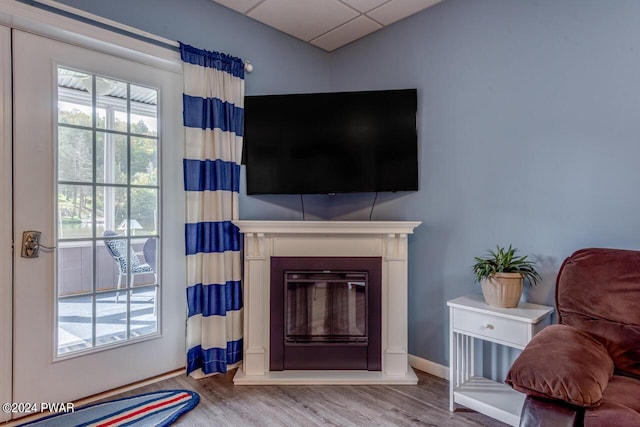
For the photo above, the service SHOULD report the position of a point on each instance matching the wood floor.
(223, 404)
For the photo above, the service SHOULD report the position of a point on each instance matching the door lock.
(31, 244)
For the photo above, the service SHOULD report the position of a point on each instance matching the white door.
(97, 166)
(5, 219)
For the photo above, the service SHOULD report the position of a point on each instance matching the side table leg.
(453, 362)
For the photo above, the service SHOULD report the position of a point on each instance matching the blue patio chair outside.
(149, 251)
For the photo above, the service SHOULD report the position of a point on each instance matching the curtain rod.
(107, 24)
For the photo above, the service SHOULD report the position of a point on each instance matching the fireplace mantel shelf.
(387, 240)
(327, 227)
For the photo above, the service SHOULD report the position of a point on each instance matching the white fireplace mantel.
(384, 239)
(331, 227)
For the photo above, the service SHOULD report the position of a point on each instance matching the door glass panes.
(107, 212)
(75, 211)
(111, 108)
(144, 211)
(112, 158)
(143, 119)
(111, 209)
(111, 308)
(75, 154)
(144, 163)
(74, 335)
(143, 310)
(74, 98)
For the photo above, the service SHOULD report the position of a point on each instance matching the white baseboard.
(429, 367)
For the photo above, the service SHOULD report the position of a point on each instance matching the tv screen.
(325, 143)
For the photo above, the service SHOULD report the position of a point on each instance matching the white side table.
(470, 318)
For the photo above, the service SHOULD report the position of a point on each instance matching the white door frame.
(6, 221)
(21, 16)
(57, 27)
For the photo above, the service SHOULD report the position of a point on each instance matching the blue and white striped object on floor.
(160, 408)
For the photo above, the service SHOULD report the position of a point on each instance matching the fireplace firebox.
(325, 313)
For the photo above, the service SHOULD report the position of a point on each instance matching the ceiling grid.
(328, 24)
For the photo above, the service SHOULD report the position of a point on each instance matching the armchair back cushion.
(598, 292)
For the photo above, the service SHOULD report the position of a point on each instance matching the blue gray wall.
(529, 128)
(529, 134)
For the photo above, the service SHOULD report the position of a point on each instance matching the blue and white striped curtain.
(213, 122)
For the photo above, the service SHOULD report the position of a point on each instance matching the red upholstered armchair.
(586, 370)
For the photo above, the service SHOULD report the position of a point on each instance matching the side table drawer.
(491, 327)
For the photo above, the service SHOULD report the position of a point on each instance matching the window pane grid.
(98, 185)
(72, 126)
(94, 309)
(106, 131)
(95, 111)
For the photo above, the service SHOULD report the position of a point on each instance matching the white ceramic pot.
(503, 289)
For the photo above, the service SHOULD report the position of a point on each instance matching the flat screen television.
(326, 143)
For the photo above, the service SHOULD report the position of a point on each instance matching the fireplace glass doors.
(323, 306)
(325, 313)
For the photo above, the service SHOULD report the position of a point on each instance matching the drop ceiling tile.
(346, 33)
(364, 5)
(304, 19)
(396, 10)
(241, 6)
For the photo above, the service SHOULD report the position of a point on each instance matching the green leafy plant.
(505, 261)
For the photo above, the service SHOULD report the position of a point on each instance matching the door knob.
(31, 244)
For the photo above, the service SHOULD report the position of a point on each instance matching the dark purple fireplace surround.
(326, 313)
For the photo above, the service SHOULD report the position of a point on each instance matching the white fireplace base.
(325, 377)
(264, 239)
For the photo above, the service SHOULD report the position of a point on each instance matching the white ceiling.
(328, 24)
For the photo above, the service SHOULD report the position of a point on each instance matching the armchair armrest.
(562, 363)
(546, 413)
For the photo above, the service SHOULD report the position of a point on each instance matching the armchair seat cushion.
(563, 363)
(620, 406)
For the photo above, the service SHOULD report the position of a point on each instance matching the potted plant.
(501, 274)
